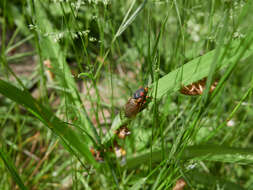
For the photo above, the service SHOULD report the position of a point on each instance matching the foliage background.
(100, 52)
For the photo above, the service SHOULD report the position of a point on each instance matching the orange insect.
(96, 154)
(122, 132)
(136, 103)
(180, 184)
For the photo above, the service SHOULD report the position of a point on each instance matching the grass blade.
(76, 141)
(11, 168)
(204, 152)
(198, 69)
(195, 70)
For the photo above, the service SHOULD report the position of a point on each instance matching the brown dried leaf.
(197, 88)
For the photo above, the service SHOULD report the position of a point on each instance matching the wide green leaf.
(193, 71)
(204, 152)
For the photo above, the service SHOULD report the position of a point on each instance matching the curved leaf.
(46, 116)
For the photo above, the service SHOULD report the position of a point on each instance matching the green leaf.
(11, 168)
(139, 184)
(204, 152)
(61, 129)
(208, 181)
(219, 153)
(51, 50)
(199, 67)
(196, 70)
(89, 75)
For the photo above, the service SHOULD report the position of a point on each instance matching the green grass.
(100, 53)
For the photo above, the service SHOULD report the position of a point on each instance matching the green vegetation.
(68, 67)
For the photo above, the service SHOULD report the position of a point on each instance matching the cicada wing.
(132, 107)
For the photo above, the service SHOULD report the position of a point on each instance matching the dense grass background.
(100, 52)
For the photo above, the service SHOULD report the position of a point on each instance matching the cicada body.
(136, 103)
(132, 107)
